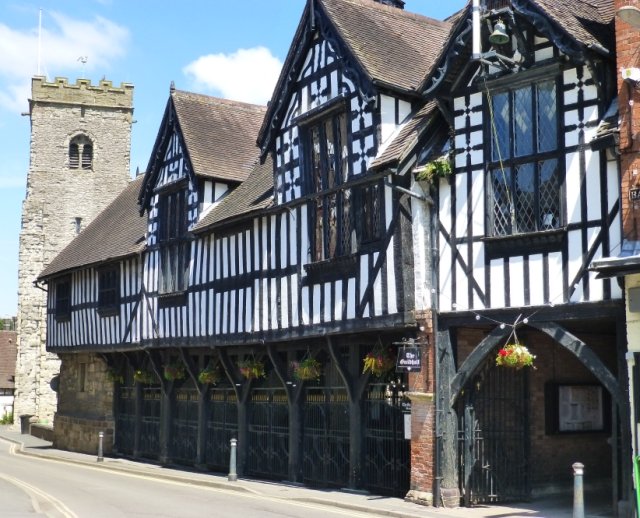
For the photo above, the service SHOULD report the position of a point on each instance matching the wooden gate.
(493, 436)
(150, 422)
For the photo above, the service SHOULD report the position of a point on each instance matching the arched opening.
(81, 153)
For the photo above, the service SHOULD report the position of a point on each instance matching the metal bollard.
(100, 455)
(233, 476)
(578, 490)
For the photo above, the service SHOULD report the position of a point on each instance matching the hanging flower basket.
(379, 361)
(210, 375)
(307, 369)
(143, 376)
(174, 371)
(252, 369)
(114, 374)
(515, 356)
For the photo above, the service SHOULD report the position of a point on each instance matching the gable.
(379, 47)
(575, 29)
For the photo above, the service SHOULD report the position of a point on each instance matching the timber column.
(79, 161)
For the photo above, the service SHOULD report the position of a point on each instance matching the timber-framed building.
(228, 265)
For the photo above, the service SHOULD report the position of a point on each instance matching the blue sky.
(227, 48)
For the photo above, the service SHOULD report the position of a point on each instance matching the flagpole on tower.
(39, 37)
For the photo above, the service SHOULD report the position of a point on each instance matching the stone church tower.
(79, 161)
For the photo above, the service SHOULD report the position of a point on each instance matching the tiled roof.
(8, 351)
(255, 193)
(583, 20)
(407, 138)
(220, 135)
(395, 47)
(118, 231)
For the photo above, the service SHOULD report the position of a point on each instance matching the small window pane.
(547, 123)
(525, 195)
(522, 131)
(500, 130)
(502, 202)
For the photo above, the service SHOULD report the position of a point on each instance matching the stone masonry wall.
(86, 405)
(58, 199)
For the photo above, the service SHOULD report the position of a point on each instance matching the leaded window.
(173, 243)
(331, 206)
(370, 215)
(63, 298)
(525, 180)
(108, 289)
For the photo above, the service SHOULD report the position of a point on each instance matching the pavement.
(543, 507)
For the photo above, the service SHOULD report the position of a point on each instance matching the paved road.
(32, 486)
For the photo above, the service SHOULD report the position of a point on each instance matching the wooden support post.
(446, 422)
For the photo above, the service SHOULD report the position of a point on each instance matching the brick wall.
(421, 387)
(627, 44)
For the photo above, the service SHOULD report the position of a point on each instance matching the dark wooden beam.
(475, 359)
(586, 356)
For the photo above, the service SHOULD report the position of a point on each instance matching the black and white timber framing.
(256, 280)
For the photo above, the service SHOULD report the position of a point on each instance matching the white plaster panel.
(477, 203)
(351, 298)
(478, 272)
(459, 103)
(444, 209)
(377, 288)
(305, 305)
(590, 92)
(337, 303)
(496, 282)
(462, 281)
(575, 255)
(536, 274)
(388, 117)
(573, 185)
(516, 281)
(461, 209)
(316, 304)
(594, 207)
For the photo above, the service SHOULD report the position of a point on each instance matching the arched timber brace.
(586, 356)
(475, 359)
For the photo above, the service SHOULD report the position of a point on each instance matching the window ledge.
(530, 243)
(332, 269)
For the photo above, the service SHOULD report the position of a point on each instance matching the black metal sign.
(409, 359)
(634, 194)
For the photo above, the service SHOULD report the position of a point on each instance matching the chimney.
(393, 3)
(627, 25)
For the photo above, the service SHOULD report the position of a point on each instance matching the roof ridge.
(392, 10)
(220, 100)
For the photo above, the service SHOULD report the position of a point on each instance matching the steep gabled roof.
(117, 232)
(391, 48)
(396, 48)
(219, 134)
(575, 26)
(255, 193)
(588, 22)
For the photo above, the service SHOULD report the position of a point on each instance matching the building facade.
(424, 188)
(79, 161)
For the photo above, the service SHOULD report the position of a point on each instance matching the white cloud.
(247, 75)
(63, 40)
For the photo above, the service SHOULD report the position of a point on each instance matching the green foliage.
(7, 419)
(438, 168)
